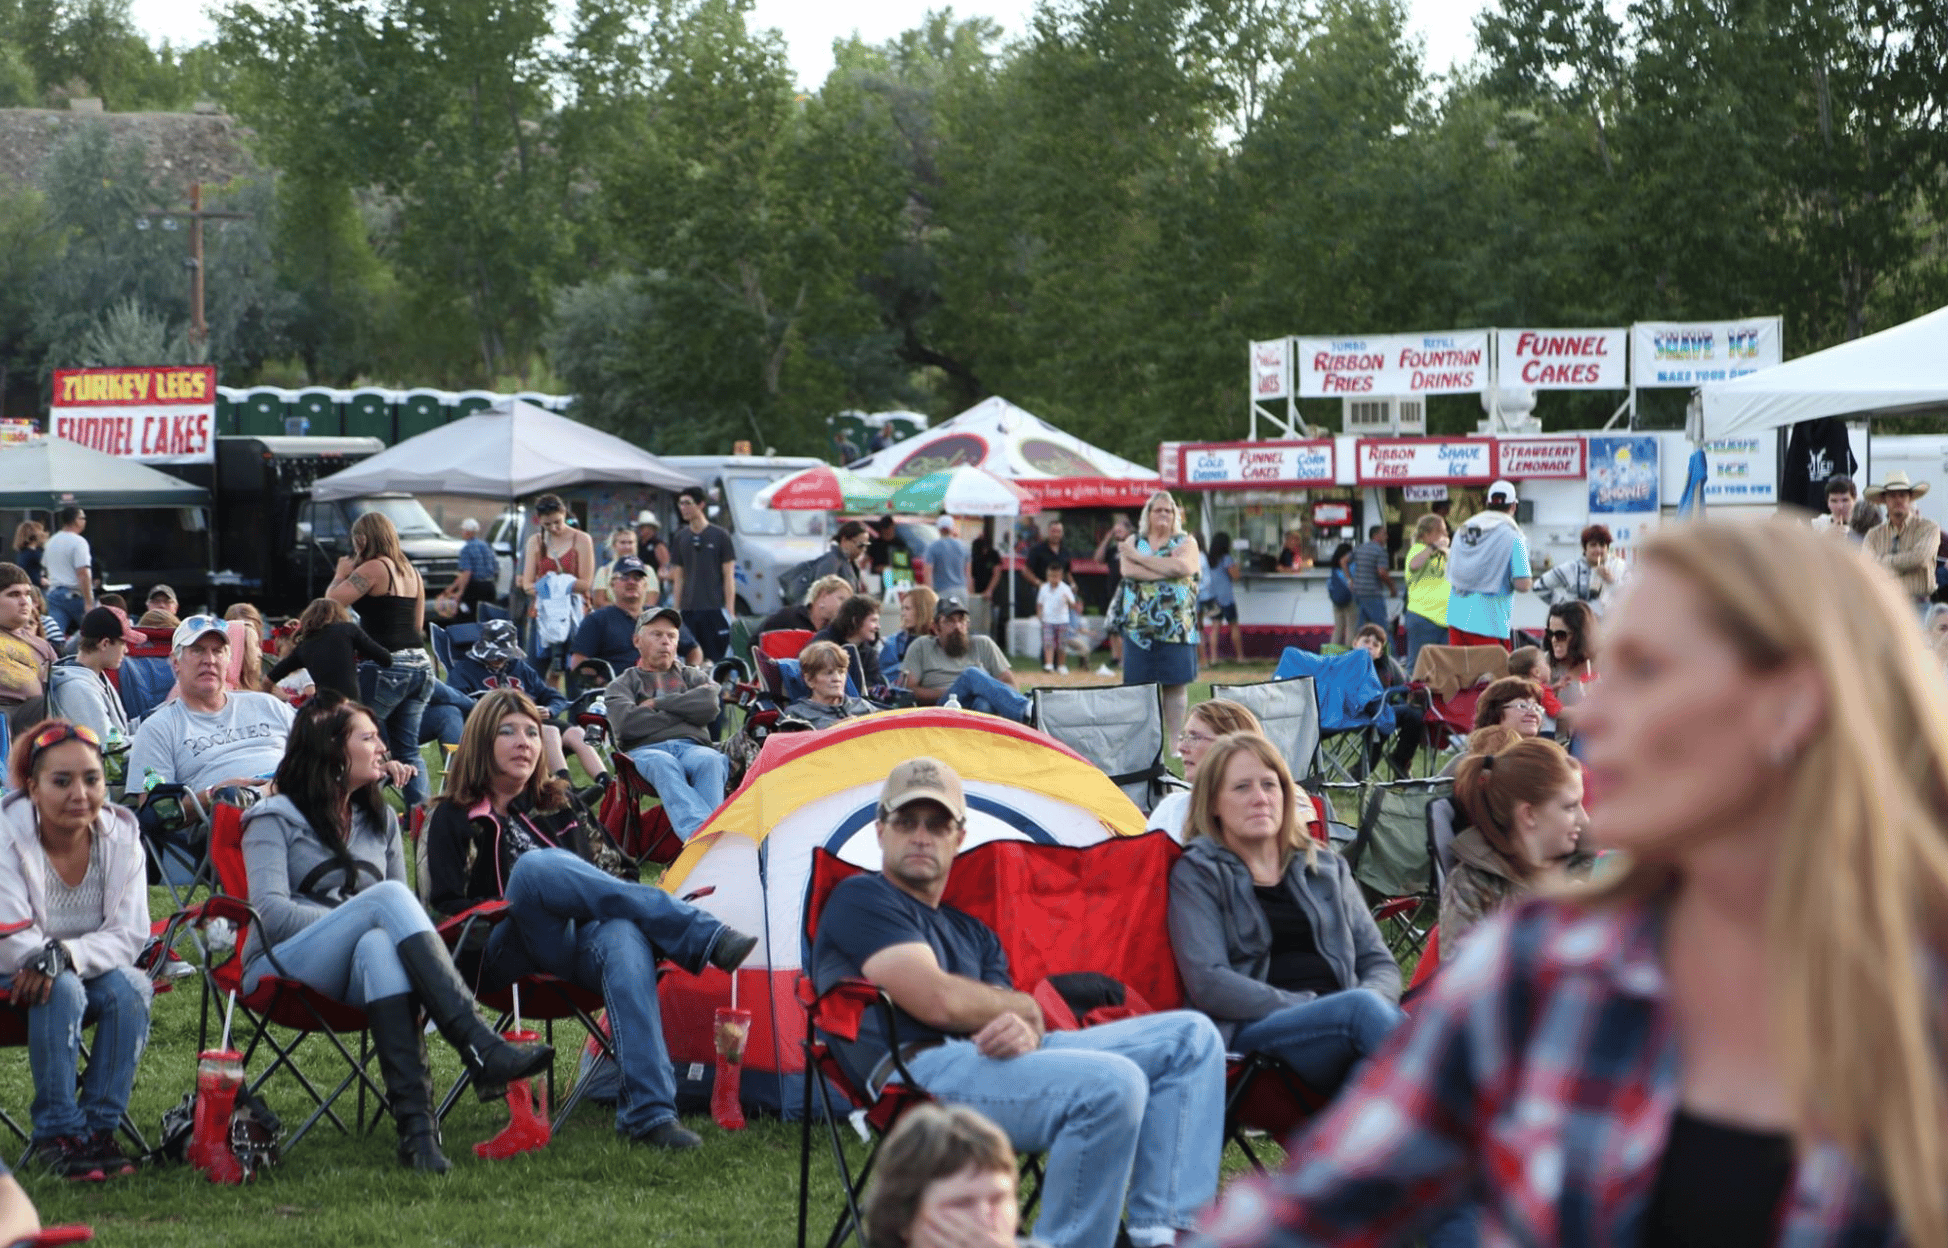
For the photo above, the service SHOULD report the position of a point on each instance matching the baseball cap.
(499, 642)
(470, 525)
(194, 627)
(1502, 489)
(659, 613)
(949, 605)
(919, 779)
(160, 590)
(628, 565)
(945, 524)
(103, 623)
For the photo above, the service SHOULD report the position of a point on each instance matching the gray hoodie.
(295, 879)
(1480, 556)
(1223, 944)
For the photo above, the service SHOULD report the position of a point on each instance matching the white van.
(769, 543)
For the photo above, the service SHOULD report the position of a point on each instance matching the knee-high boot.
(399, 1045)
(493, 1061)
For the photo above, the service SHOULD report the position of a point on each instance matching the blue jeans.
(65, 605)
(445, 715)
(1134, 1106)
(689, 778)
(352, 954)
(1374, 611)
(397, 697)
(1323, 1039)
(117, 1003)
(570, 920)
(979, 691)
(1422, 631)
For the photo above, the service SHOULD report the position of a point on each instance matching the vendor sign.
(1414, 461)
(1623, 475)
(1561, 359)
(1537, 459)
(1255, 465)
(1393, 364)
(1690, 353)
(1271, 369)
(1742, 470)
(154, 415)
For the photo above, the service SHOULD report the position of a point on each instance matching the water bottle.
(952, 703)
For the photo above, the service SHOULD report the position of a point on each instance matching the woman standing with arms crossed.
(377, 581)
(1426, 587)
(1737, 1037)
(1158, 608)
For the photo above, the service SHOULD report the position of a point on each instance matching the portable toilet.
(318, 406)
(229, 409)
(367, 413)
(263, 411)
(467, 402)
(420, 411)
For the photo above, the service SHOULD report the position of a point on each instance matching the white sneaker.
(1061, 669)
(1105, 670)
(1048, 667)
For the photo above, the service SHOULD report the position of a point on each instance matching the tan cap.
(923, 778)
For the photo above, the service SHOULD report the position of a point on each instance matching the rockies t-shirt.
(245, 738)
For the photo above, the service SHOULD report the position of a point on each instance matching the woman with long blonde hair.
(1738, 1034)
(1156, 607)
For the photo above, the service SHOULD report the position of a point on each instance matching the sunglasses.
(1558, 634)
(56, 734)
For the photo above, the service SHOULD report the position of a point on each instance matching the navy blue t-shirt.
(609, 634)
(866, 914)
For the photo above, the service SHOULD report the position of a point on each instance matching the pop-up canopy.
(1882, 374)
(45, 474)
(510, 450)
(1054, 468)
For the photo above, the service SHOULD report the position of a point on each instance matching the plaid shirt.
(1908, 554)
(479, 558)
(1539, 1078)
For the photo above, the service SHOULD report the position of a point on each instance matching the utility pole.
(199, 330)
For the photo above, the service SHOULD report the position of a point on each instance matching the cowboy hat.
(1896, 481)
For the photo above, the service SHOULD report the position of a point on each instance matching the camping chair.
(1393, 859)
(1119, 728)
(784, 643)
(174, 830)
(278, 1001)
(1111, 899)
(1355, 716)
(1288, 710)
(544, 998)
(1453, 678)
(145, 677)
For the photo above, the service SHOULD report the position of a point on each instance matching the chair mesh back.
(1391, 855)
(1289, 712)
(1119, 728)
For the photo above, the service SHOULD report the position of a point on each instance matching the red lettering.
(1341, 383)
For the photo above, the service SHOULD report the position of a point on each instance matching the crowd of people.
(1707, 1015)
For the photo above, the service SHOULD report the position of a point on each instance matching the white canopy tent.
(1895, 370)
(511, 450)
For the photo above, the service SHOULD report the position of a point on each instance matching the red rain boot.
(527, 1126)
(219, 1075)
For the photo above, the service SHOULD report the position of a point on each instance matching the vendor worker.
(1293, 557)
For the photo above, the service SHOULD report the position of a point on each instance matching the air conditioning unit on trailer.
(1383, 417)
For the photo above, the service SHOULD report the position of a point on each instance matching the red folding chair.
(785, 643)
(642, 832)
(278, 1002)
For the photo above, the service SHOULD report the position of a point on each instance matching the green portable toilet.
(905, 424)
(318, 406)
(262, 412)
(368, 414)
(467, 402)
(420, 411)
(849, 427)
(229, 407)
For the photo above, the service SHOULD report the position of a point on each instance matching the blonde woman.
(1156, 607)
(1219, 717)
(379, 582)
(1739, 1032)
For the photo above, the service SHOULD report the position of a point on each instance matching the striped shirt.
(83, 908)
(1908, 552)
(1538, 1077)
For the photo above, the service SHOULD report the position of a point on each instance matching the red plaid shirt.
(1538, 1078)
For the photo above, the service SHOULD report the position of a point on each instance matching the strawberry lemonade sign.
(155, 415)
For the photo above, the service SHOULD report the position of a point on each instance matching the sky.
(810, 26)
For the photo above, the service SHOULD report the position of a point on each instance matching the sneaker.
(1048, 667)
(106, 1151)
(1061, 669)
(671, 1136)
(1105, 670)
(731, 949)
(67, 1157)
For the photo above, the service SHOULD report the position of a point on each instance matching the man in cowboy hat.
(1905, 542)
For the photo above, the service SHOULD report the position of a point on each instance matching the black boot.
(494, 1062)
(399, 1045)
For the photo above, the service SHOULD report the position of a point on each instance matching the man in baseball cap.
(954, 663)
(965, 1034)
(661, 712)
(210, 737)
(1488, 564)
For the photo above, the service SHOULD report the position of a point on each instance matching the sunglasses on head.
(56, 734)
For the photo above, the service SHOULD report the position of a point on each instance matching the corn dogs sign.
(154, 415)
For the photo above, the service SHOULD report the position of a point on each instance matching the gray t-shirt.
(947, 559)
(245, 738)
(931, 668)
(702, 557)
(1368, 559)
(66, 554)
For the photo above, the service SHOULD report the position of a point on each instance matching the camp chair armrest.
(455, 930)
(838, 1010)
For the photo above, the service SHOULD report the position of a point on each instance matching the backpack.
(1339, 589)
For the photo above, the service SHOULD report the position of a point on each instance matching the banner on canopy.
(1690, 353)
(1562, 359)
(1393, 364)
(151, 415)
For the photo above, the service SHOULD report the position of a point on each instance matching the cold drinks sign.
(1255, 465)
(155, 415)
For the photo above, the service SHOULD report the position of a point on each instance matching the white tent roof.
(1058, 469)
(1902, 367)
(507, 451)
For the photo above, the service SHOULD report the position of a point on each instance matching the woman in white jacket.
(74, 904)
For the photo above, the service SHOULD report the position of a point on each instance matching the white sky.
(810, 26)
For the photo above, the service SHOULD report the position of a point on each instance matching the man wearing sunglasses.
(210, 737)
